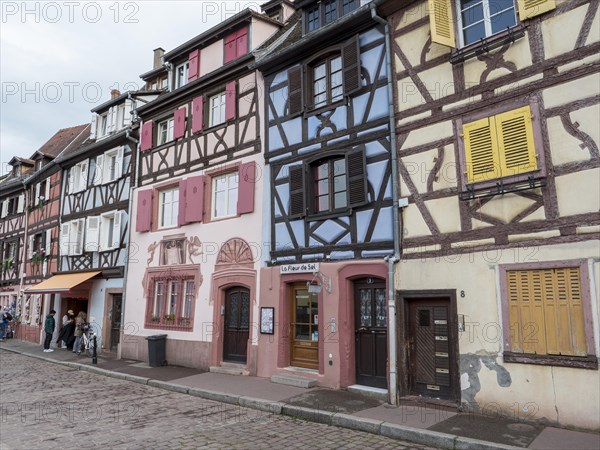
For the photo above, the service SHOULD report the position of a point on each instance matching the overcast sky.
(60, 59)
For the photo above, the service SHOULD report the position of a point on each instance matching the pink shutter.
(247, 180)
(230, 101)
(242, 42)
(146, 136)
(179, 125)
(194, 65)
(230, 47)
(143, 217)
(194, 201)
(181, 219)
(197, 114)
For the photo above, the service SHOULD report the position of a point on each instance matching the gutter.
(392, 260)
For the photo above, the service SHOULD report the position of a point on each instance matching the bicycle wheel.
(90, 347)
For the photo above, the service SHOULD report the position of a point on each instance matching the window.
(78, 177)
(10, 252)
(546, 309)
(165, 131)
(171, 300)
(329, 181)
(327, 11)
(332, 185)
(109, 166)
(500, 146)
(479, 19)
(327, 82)
(103, 125)
(164, 83)
(110, 231)
(154, 86)
(168, 207)
(225, 195)
(217, 109)
(181, 75)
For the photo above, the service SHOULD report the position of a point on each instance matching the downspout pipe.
(25, 244)
(392, 260)
(126, 270)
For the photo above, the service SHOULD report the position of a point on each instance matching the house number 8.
(462, 294)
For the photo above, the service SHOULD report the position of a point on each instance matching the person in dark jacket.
(49, 325)
(67, 330)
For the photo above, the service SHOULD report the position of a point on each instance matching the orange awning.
(61, 283)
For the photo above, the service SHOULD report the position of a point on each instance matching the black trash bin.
(157, 350)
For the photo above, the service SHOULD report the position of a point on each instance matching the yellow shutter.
(546, 311)
(532, 8)
(481, 150)
(515, 141)
(441, 22)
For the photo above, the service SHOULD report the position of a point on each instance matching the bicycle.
(88, 343)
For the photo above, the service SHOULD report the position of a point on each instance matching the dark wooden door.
(370, 318)
(237, 324)
(431, 354)
(304, 328)
(115, 315)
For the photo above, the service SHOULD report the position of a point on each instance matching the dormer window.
(181, 75)
(103, 124)
(326, 12)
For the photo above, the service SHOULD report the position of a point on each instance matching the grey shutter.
(357, 177)
(295, 90)
(351, 65)
(297, 197)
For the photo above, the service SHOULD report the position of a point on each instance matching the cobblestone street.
(49, 406)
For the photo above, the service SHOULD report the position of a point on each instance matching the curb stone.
(356, 423)
(399, 432)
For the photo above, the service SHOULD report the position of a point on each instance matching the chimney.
(114, 93)
(158, 54)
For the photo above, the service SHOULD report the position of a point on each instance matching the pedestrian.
(67, 329)
(49, 326)
(6, 318)
(79, 329)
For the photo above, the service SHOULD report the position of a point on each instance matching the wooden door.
(431, 349)
(237, 324)
(115, 316)
(304, 328)
(370, 319)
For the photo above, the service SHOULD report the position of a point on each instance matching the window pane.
(339, 184)
(220, 207)
(322, 187)
(339, 167)
(232, 202)
(468, 3)
(320, 99)
(503, 21)
(319, 71)
(474, 33)
(323, 203)
(337, 94)
(340, 200)
(336, 64)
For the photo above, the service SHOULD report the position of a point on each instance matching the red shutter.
(247, 179)
(143, 217)
(179, 125)
(194, 65)
(230, 101)
(181, 219)
(242, 41)
(230, 47)
(194, 200)
(197, 114)
(146, 136)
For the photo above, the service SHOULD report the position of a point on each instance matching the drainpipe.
(126, 270)
(25, 244)
(395, 258)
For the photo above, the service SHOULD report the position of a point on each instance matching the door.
(237, 324)
(370, 318)
(431, 349)
(304, 328)
(115, 317)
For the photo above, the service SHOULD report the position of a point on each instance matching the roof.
(293, 24)
(119, 98)
(61, 140)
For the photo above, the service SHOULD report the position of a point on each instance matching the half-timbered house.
(197, 203)
(94, 217)
(12, 230)
(328, 212)
(497, 111)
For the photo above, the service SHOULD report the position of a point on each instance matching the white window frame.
(231, 184)
(76, 235)
(117, 154)
(165, 131)
(110, 231)
(78, 177)
(102, 124)
(183, 79)
(486, 19)
(217, 109)
(172, 204)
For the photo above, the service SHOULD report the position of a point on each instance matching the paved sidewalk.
(433, 426)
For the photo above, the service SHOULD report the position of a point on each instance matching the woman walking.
(79, 330)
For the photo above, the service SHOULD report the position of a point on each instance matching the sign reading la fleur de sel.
(300, 268)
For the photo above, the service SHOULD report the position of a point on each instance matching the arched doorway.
(370, 331)
(237, 324)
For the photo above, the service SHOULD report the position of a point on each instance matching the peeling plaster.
(470, 366)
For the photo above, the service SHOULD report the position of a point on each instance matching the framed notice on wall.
(267, 320)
